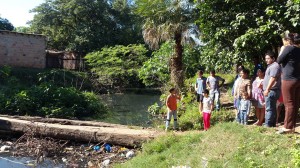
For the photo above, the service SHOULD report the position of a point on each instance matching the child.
(207, 108)
(258, 97)
(244, 108)
(171, 104)
(199, 87)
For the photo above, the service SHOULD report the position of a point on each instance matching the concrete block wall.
(22, 50)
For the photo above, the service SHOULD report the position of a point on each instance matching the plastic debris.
(105, 163)
(129, 154)
(107, 147)
(96, 148)
(5, 148)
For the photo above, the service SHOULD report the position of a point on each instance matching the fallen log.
(108, 133)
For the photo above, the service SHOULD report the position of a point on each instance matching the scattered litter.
(105, 163)
(107, 147)
(129, 154)
(5, 148)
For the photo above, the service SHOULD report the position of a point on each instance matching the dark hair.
(260, 68)
(271, 54)
(205, 91)
(212, 71)
(246, 71)
(296, 38)
(201, 72)
(171, 90)
(288, 36)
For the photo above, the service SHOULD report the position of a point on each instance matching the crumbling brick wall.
(22, 50)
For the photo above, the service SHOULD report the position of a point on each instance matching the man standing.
(271, 86)
(200, 86)
(212, 83)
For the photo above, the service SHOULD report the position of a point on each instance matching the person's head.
(270, 57)
(245, 95)
(287, 38)
(213, 72)
(172, 90)
(255, 60)
(239, 68)
(260, 72)
(244, 73)
(205, 93)
(200, 73)
(297, 39)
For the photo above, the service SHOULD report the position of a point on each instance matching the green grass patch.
(224, 145)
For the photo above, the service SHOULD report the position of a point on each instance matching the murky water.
(7, 161)
(129, 108)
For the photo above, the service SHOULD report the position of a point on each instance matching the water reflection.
(129, 108)
(7, 161)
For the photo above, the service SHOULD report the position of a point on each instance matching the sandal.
(285, 131)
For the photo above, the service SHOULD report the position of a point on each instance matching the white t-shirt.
(207, 102)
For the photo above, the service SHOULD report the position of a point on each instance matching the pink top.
(257, 91)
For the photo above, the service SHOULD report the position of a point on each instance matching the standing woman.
(289, 58)
(242, 85)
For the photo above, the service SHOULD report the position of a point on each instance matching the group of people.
(280, 82)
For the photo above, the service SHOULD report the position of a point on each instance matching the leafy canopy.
(117, 65)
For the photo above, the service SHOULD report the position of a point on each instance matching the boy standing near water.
(171, 104)
(200, 86)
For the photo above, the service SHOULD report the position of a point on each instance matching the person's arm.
(196, 86)
(249, 91)
(211, 105)
(249, 107)
(207, 83)
(167, 102)
(269, 86)
(222, 80)
(284, 54)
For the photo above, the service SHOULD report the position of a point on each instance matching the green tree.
(235, 31)
(5, 24)
(85, 25)
(118, 65)
(167, 20)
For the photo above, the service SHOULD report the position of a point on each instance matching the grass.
(224, 145)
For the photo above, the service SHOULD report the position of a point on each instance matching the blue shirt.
(201, 85)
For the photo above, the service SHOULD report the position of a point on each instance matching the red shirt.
(172, 102)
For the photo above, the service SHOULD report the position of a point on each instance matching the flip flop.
(285, 131)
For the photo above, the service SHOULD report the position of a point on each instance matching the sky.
(17, 11)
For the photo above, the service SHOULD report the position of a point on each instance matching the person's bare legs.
(261, 116)
(279, 108)
(257, 111)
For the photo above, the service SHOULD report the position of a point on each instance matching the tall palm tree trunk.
(176, 66)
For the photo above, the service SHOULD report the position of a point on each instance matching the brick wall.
(22, 50)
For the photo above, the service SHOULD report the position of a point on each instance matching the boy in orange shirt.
(171, 104)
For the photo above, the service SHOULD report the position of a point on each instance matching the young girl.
(244, 108)
(258, 97)
(207, 108)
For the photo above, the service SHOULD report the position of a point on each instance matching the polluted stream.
(29, 151)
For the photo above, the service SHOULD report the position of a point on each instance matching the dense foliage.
(155, 71)
(86, 25)
(235, 31)
(27, 92)
(118, 65)
(5, 24)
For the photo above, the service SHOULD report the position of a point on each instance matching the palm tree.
(168, 20)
